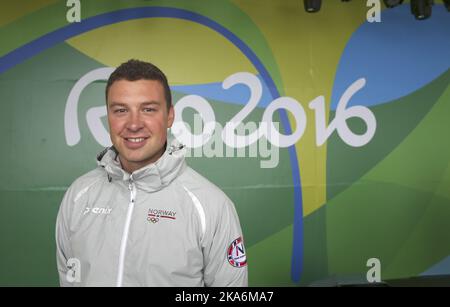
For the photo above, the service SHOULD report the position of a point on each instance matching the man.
(143, 217)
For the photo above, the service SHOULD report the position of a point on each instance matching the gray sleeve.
(224, 252)
(62, 242)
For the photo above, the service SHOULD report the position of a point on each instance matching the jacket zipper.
(123, 244)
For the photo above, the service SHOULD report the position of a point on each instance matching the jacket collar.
(150, 178)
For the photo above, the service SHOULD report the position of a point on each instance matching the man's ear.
(170, 116)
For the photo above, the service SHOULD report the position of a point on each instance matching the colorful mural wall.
(359, 168)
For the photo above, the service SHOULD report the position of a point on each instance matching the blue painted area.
(238, 94)
(39, 45)
(397, 56)
(440, 268)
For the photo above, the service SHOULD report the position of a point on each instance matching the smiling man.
(143, 217)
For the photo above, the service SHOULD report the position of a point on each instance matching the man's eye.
(120, 111)
(149, 110)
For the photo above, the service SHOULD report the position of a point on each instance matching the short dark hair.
(134, 70)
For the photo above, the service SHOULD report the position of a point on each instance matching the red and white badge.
(236, 253)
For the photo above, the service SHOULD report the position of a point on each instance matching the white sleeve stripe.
(199, 208)
(79, 194)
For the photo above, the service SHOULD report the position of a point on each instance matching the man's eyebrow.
(146, 103)
(116, 104)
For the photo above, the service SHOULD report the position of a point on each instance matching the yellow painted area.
(12, 10)
(189, 53)
(307, 48)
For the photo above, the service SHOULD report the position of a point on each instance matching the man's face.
(138, 120)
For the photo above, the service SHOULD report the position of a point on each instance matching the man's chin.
(141, 160)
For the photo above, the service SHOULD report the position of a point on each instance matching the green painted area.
(270, 260)
(396, 212)
(27, 227)
(420, 161)
(427, 243)
(403, 225)
(395, 121)
(442, 189)
(13, 10)
(37, 165)
(315, 253)
(36, 144)
(371, 221)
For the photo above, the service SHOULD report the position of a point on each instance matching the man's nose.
(135, 122)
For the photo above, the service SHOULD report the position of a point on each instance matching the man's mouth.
(135, 143)
(135, 140)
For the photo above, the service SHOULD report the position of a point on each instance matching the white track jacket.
(162, 225)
